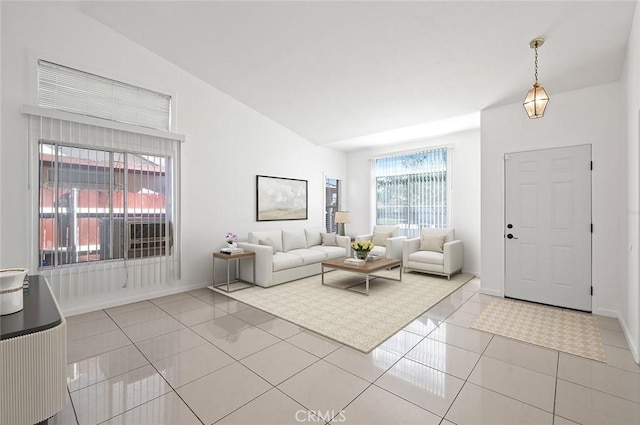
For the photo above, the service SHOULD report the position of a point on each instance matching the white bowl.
(11, 290)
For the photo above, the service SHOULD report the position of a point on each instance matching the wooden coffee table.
(367, 269)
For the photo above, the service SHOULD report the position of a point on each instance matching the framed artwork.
(279, 198)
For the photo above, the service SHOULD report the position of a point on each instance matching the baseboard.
(492, 292)
(87, 308)
(626, 332)
(607, 313)
(476, 274)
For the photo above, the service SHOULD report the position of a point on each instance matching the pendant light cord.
(536, 62)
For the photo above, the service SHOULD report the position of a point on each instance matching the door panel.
(548, 204)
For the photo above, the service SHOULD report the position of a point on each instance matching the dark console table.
(33, 358)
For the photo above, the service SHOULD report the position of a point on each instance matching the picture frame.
(281, 198)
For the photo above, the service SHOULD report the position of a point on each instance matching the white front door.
(548, 226)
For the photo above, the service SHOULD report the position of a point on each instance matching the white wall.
(465, 188)
(227, 142)
(631, 86)
(589, 116)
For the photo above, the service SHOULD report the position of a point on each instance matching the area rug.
(351, 318)
(563, 330)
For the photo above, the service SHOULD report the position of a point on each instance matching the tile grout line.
(466, 380)
(555, 390)
(73, 408)
(161, 377)
(600, 391)
(408, 359)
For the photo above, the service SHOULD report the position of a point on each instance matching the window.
(332, 203)
(411, 190)
(71, 90)
(98, 204)
(106, 196)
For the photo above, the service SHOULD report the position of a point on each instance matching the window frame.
(339, 201)
(169, 196)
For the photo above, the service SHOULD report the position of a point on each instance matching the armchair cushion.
(428, 257)
(395, 230)
(449, 233)
(379, 250)
(429, 242)
(380, 237)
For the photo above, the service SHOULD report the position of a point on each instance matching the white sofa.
(392, 246)
(445, 257)
(286, 255)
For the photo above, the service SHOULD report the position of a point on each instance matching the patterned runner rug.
(552, 327)
(353, 319)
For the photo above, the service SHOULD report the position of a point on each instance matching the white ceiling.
(338, 72)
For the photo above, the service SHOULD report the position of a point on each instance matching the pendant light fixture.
(536, 100)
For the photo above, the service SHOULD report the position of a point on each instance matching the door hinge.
(592, 290)
(591, 227)
(591, 165)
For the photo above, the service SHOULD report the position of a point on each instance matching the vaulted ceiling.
(337, 71)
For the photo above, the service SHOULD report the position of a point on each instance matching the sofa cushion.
(268, 242)
(275, 235)
(330, 251)
(293, 239)
(309, 256)
(284, 261)
(380, 237)
(429, 242)
(328, 239)
(428, 257)
(313, 236)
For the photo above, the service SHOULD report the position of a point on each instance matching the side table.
(238, 257)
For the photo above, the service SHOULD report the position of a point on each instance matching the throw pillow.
(267, 242)
(380, 238)
(328, 239)
(432, 242)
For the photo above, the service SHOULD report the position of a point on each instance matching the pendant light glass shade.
(536, 101)
(537, 98)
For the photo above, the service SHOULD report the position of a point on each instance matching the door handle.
(510, 236)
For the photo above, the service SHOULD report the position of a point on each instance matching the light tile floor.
(202, 358)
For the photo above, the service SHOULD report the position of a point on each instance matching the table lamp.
(342, 217)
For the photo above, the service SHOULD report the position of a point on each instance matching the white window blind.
(79, 92)
(99, 228)
(411, 190)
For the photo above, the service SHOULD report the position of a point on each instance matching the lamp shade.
(536, 101)
(343, 217)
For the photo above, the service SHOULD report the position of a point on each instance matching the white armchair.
(436, 251)
(387, 241)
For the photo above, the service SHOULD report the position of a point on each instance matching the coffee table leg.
(322, 274)
(367, 288)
